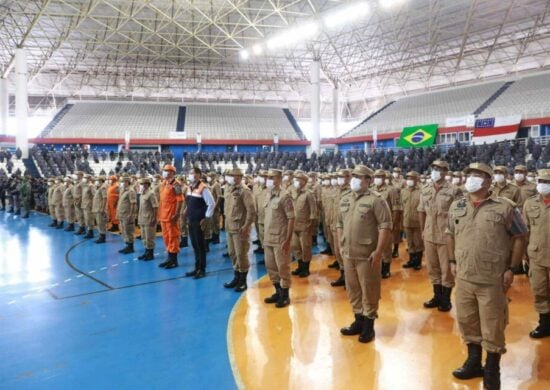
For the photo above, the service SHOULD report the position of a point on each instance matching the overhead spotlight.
(293, 35)
(346, 14)
(387, 4)
(244, 54)
(257, 49)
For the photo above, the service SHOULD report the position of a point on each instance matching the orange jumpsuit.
(112, 200)
(170, 194)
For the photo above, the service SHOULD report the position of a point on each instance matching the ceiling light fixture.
(245, 55)
(346, 14)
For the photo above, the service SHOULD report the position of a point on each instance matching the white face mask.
(296, 184)
(333, 182)
(191, 178)
(387, 181)
(209, 179)
(456, 180)
(519, 176)
(84, 181)
(96, 183)
(310, 180)
(74, 177)
(340, 181)
(141, 188)
(378, 181)
(57, 182)
(230, 180)
(285, 178)
(448, 178)
(422, 180)
(261, 180)
(269, 183)
(121, 185)
(435, 175)
(164, 174)
(530, 179)
(355, 184)
(410, 183)
(499, 178)
(473, 184)
(543, 188)
(395, 175)
(429, 180)
(326, 182)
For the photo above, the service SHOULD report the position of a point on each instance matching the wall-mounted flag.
(417, 136)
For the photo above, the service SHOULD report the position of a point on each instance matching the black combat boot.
(167, 261)
(304, 273)
(386, 270)
(241, 285)
(173, 263)
(114, 228)
(201, 273)
(284, 299)
(298, 270)
(215, 238)
(70, 227)
(53, 224)
(412, 261)
(395, 252)
(418, 261)
(129, 248)
(491, 372)
(183, 242)
(101, 239)
(143, 255)
(335, 265)
(275, 297)
(341, 281)
(445, 299)
(472, 366)
(234, 282)
(90, 234)
(356, 326)
(314, 240)
(543, 329)
(327, 251)
(80, 231)
(367, 333)
(434, 302)
(259, 250)
(60, 225)
(149, 255)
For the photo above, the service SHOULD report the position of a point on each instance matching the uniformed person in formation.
(435, 200)
(397, 179)
(88, 191)
(240, 214)
(126, 213)
(526, 188)
(327, 192)
(279, 225)
(26, 194)
(216, 191)
(57, 202)
(259, 197)
(537, 214)
(147, 218)
(391, 195)
(100, 208)
(364, 231)
(504, 189)
(410, 199)
(170, 202)
(68, 204)
(343, 190)
(112, 201)
(51, 206)
(305, 211)
(77, 195)
(315, 187)
(485, 238)
(184, 227)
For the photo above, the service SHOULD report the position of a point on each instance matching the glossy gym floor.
(76, 314)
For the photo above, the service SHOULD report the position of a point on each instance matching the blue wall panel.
(351, 146)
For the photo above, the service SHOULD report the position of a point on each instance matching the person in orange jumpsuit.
(112, 201)
(171, 202)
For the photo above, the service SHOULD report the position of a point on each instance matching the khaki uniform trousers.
(88, 218)
(336, 247)
(184, 228)
(238, 251)
(396, 232)
(363, 286)
(216, 221)
(101, 222)
(69, 214)
(209, 229)
(59, 213)
(278, 265)
(387, 253)
(482, 314)
(79, 216)
(148, 235)
(414, 240)
(439, 268)
(539, 279)
(301, 245)
(127, 228)
(261, 229)
(52, 212)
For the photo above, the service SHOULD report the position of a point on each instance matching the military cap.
(380, 172)
(343, 172)
(68, 179)
(500, 169)
(212, 174)
(479, 167)
(544, 174)
(88, 176)
(235, 172)
(169, 167)
(301, 176)
(157, 176)
(412, 174)
(274, 172)
(312, 174)
(79, 173)
(325, 176)
(441, 164)
(298, 171)
(125, 177)
(286, 173)
(362, 170)
(520, 168)
(101, 178)
(262, 172)
(145, 180)
(333, 175)
(388, 175)
(397, 169)
(531, 174)
(457, 174)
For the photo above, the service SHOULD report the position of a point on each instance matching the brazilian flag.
(417, 136)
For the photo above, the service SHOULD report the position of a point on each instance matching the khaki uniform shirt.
(57, 195)
(391, 195)
(50, 194)
(77, 194)
(508, 190)
(410, 199)
(148, 208)
(260, 202)
(305, 209)
(361, 216)
(482, 235)
(399, 183)
(527, 190)
(436, 206)
(340, 193)
(279, 209)
(68, 199)
(126, 199)
(316, 189)
(88, 191)
(99, 202)
(537, 215)
(239, 208)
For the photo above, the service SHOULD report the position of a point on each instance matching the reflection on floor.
(415, 348)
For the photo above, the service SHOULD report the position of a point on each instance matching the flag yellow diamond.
(418, 137)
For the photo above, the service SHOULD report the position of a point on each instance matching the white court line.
(103, 268)
(11, 302)
(92, 272)
(68, 280)
(114, 265)
(79, 276)
(126, 262)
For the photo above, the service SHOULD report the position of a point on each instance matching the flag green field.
(417, 136)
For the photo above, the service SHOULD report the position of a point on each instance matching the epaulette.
(506, 200)
(376, 193)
